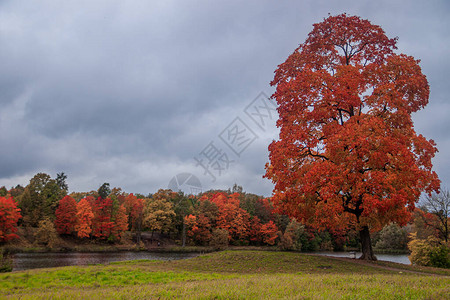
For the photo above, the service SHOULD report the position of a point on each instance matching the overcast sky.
(135, 92)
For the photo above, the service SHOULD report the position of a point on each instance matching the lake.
(25, 261)
(397, 258)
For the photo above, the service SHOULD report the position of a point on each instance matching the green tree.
(104, 191)
(61, 181)
(183, 206)
(3, 191)
(257, 206)
(392, 237)
(16, 191)
(40, 199)
(237, 189)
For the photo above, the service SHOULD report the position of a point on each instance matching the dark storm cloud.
(129, 92)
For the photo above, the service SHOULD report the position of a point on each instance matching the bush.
(5, 262)
(440, 256)
(429, 252)
(392, 237)
(219, 239)
(325, 241)
(46, 234)
(293, 236)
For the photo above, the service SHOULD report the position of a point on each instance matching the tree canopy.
(348, 154)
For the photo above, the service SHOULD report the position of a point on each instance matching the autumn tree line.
(213, 218)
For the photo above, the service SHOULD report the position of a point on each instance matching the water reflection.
(397, 258)
(24, 261)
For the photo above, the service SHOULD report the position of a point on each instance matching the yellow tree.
(158, 214)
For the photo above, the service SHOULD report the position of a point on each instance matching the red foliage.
(199, 228)
(348, 153)
(255, 230)
(85, 215)
(135, 209)
(425, 224)
(66, 215)
(101, 223)
(269, 233)
(9, 215)
(231, 217)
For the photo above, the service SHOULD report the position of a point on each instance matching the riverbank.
(155, 242)
(72, 245)
(105, 248)
(231, 275)
(150, 242)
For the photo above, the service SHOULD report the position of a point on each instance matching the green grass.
(230, 275)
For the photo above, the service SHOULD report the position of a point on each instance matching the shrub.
(46, 234)
(325, 242)
(219, 239)
(5, 262)
(440, 256)
(392, 237)
(292, 237)
(429, 252)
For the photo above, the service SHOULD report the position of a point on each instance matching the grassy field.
(231, 275)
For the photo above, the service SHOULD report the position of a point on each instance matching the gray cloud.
(129, 92)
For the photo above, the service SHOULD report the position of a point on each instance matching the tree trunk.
(183, 235)
(138, 233)
(367, 251)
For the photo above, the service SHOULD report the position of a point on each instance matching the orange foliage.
(348, 153)
(85, 215)
(199, 228)
(121, 222)
(135, 209)
(231, 217)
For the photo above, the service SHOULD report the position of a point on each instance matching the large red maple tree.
(348, 154)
